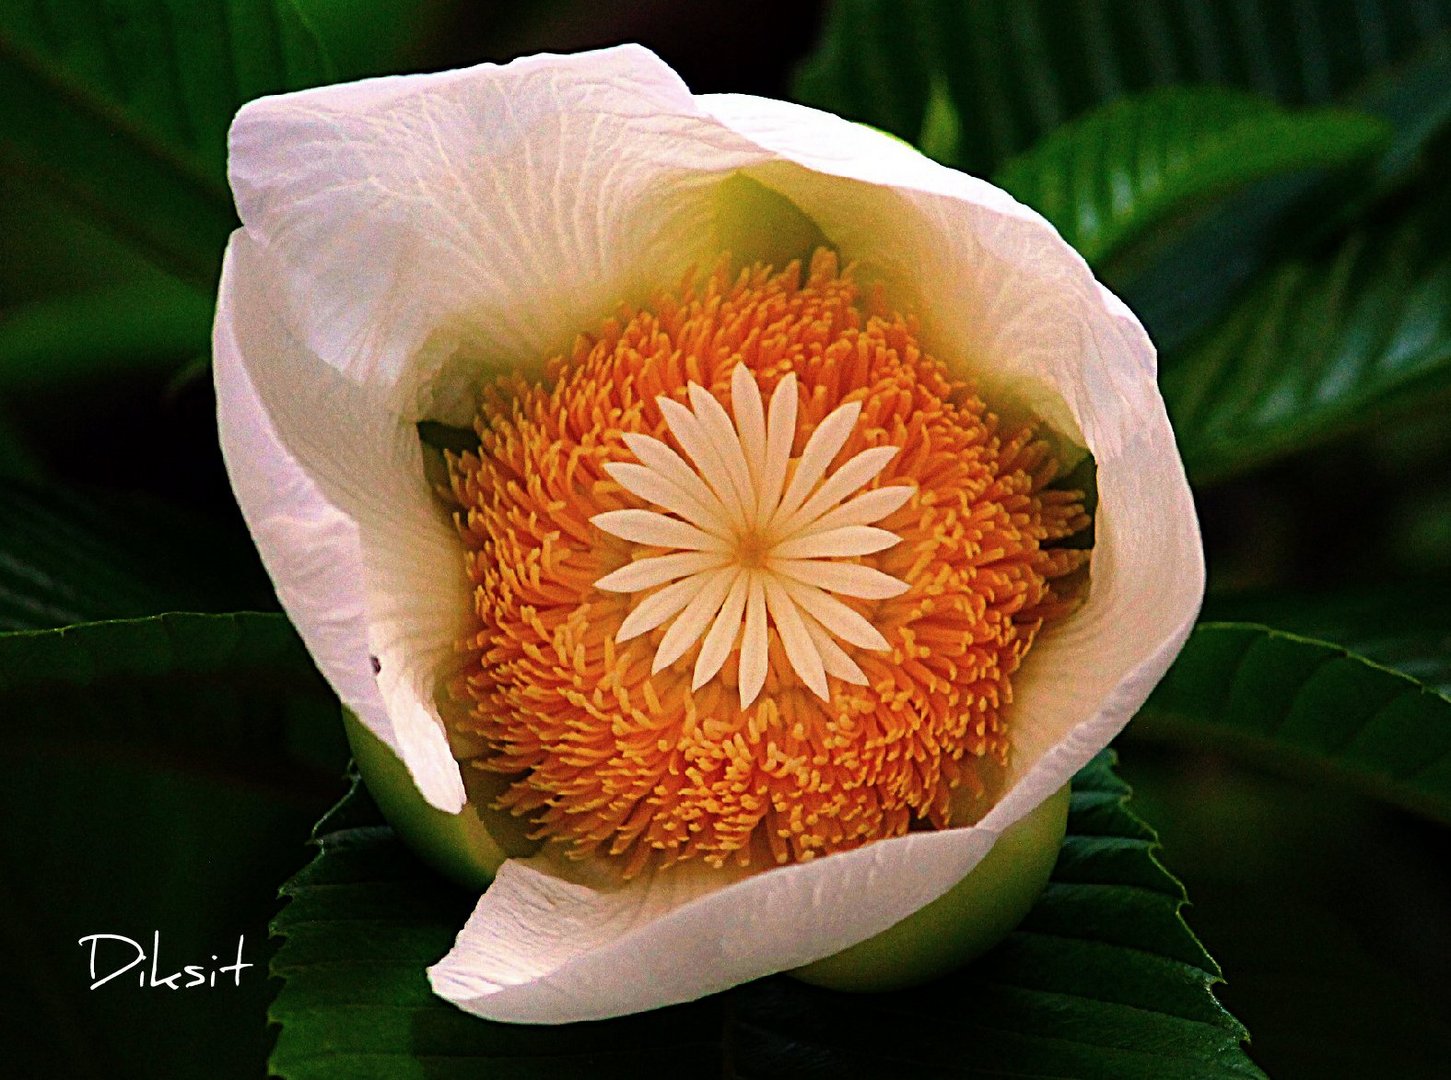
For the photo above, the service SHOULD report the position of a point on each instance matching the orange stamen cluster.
(638, 766)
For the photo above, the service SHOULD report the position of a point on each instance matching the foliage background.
(1291, 262)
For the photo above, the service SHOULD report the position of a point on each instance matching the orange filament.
(616, 761)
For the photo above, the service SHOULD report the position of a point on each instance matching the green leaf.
(1324, 707)
(1317, 348)
(1331, 911)
(70, 556)
(1103, 979)
(977, 82)
(236, 690)
(125, 106)
(1107, 177)
(148, 325)
(1010, 71)
(159, 773)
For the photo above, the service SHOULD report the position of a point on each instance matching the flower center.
(752, 576)
(750, 529)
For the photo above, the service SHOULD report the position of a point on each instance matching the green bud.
(963, 923)
(459, 846)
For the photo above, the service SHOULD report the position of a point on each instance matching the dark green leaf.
(69, 556)
(237, 692)
(125, 105)
(1103, 979)
(1317, 348)
(159, 773)
(156, 325)
(1299, 703)
(976, 82)
(1010, 71)
(1107, 177)
(1332, 912)
(374, 37)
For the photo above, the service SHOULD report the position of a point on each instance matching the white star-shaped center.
(753, 536)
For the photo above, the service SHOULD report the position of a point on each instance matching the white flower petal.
(836, 616)
(843, 543)
(723, 633)
(645, 574)
(348, 537)
(844, 579)
(695, 620)
(656, 530)
(828, 438)
(754, 643)
(474, 221)
(653, 487)
(851, 477)
(866, 508)
(541, 947)
(698, 445)
(805, 660)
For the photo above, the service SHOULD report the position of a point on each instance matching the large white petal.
(363, 562)
(472, 221)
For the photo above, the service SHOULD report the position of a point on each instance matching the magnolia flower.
(750, 600)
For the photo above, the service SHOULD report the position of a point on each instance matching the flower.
(576, 601)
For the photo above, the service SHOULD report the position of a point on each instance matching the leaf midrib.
(113, 117)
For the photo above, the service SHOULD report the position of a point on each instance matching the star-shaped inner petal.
(754, 537)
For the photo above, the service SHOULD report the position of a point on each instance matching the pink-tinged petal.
(649, 485)
(692, 623)
(750, 413)
(836, 616)
(866, 508)
(656, 608)
(847, 480)
(828, 438)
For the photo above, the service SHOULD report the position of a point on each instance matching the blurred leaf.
(372, 37)
(988, 79)
(1318, 348)
(1103, 979)
(1301, 704)
(125, 106)
(1332, 913)
(158, 774)
(147, 325)
(1010, 71)
(1399, 625)
(70, 556)
(238, 691)
(1109, 176)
